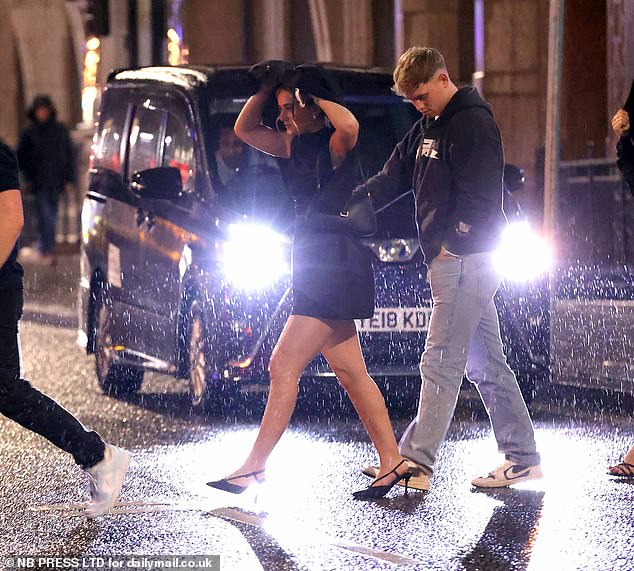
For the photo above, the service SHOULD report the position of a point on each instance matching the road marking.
(139, 507)
(258, 521)
(120, 508)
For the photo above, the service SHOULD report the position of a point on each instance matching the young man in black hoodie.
(453, 159)
(105, 465)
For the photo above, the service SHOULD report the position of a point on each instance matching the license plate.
(397, 320)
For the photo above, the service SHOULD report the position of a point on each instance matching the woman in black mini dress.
(332, 272)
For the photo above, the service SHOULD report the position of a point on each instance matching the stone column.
(46, 55)
(10, 106)
(215, 31)
(620, 56)
(357, 41)
(432, 23)
(270, 30)
(516, 48)
(114, 53)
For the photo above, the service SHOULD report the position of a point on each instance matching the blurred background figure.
(45, 156)
(231, 155)
(625, 146)
(625, 161)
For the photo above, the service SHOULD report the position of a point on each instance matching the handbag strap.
(355, 156)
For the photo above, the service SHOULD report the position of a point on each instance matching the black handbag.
(357, 218)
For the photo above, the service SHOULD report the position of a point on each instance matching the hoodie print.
(428, 148)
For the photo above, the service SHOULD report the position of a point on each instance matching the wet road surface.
(304, 516)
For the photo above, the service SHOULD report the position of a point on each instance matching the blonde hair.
(417, 65)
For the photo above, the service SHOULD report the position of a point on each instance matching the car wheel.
(207, 392)
(113, 379)
(197, 356)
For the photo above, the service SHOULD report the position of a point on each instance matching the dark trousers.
(46, 204)
(27, 406)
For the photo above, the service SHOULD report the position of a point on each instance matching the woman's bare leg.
(343, 352)
(301, 339)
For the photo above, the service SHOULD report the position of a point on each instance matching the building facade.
(500, 45)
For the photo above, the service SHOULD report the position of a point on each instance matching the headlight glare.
(255, 256)
(523, 255)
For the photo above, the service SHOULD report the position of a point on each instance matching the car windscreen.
(251, 182)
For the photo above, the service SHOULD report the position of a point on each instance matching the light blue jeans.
(464, 334)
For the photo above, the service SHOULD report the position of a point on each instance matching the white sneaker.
(106, 480)
(419, 480)
(508, 474)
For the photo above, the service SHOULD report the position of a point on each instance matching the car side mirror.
(513, 177)
(162, 183)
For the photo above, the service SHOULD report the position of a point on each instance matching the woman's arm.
(249, 128)
(346, 128)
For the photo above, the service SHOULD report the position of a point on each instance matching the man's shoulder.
(7, 157)
(8, 169)
(476, 120)
(5, 149)
(472, 113)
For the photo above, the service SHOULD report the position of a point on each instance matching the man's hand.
(621, 122)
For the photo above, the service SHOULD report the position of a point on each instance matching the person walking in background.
(453, 159)
(625, 161)
(333, 281)
(105, 465)
(45, 156)
(625, 145)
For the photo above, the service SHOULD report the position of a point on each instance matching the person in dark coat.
(625, 146)
(45, 157)
(104, 464)
(625, 161)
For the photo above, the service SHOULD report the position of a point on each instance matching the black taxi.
(186, 235)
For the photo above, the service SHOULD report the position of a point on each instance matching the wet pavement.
(303, 517)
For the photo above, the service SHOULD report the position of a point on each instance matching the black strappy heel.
(226, 486)
(374, 492)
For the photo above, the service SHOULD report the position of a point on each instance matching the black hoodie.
(455, 167)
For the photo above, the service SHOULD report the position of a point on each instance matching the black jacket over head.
(455, 166)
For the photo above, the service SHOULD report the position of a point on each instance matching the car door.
(144, 141)
(165, 238)
(110, 215)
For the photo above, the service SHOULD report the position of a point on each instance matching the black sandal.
(374, 492)
(226, 486)
(622, 470)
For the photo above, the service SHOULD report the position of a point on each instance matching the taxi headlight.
(255, 256)
(523, 254)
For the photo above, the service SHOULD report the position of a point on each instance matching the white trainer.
(508, 474)
(106, 480)
(419, 480)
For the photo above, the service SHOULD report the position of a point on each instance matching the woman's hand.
(315, 80)
(621, 122)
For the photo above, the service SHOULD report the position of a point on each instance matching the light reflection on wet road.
(304, 516)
